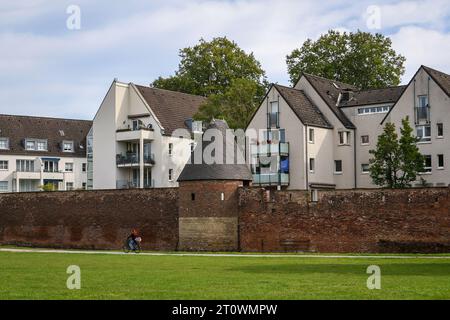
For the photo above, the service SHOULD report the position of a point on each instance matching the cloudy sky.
(49, 69)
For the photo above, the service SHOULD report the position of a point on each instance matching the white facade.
(124, 125)
(26, 173)
(314, 162)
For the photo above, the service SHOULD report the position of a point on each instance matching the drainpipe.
(306, 159)
(354, 159)
(141, 163)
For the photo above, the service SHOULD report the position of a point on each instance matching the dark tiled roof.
(374, 96)
(308, 113)
(204, 171)
(329, 91)
(171, 108)
(18, 128)
(442, 79)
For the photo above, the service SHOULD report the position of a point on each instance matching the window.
(423, 133)
(422, 109)
(373, 110)
(427, 164)
(83, 185)
(42, 145)
(4, 143)
(440, 161)
(50, 166)
(193, 196)
(365, 168)
(312, 163)
(273, 117)
(3, 164)
(440, 130)
(344, 137)
(25, 165)
(338, 166)
(30, 145)
(69, 167)
(365, 140)
(69, 186)
(170, 174)
(3, 186)
(83, 167)
(170, 149)
(68, 146)
(311, 135)
(222, 196)
(33, 145)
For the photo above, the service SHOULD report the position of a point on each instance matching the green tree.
(396, 162)
(236, 105)
(362, 59)
(210, 67)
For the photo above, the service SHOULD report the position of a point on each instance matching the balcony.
(134, 184)
(271, 179)
(281, 148)
(135, 135)
(422, 114)
(36, 175)
(132, 160)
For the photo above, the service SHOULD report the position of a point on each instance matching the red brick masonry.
(415, 220)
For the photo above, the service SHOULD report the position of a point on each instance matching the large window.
(25, 165)
(3, 186)
(422, 109)
(69, 167)
(424, 133)
(3, 164)
(4, 143)
(344, 137)
(35, 145)
(372, 110)
(274, 115)
(50, 166)
(427, 166)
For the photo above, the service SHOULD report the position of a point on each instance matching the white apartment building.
(141, 137)
(38, 151)
(318, 134)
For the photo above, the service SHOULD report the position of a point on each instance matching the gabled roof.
(442, 79)
(226, 171)
(329, 91)
(374, 96)
(18, 128)
(170, 107)
(305, 110)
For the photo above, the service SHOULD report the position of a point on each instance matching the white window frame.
(345, 138)
(362, 140)
(29, 143)
(427, 169)
(68, 143)
(362, 168)
(4, 143)
(423, 138)
(342, 169)
(443, 162)
(373, 110)
(4, 165)
(312, 167)
(39, 143)
(68, 164)
(311, 135)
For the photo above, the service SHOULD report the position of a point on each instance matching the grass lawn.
(43, 276)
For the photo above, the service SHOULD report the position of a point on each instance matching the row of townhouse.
(318, 134)
(314, 135)
(37, 151)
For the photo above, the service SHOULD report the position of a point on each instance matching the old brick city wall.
(414, 220)
(90, 219)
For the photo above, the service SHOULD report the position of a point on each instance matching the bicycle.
(136, 248)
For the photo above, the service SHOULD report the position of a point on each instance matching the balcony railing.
(134, 184)
(133, 159)
(422, 114)
(281, 148)
(268, 179)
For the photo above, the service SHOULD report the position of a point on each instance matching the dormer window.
(4, 143)
(68, 146)
(36, 145)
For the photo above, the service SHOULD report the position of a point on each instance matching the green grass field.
(43, 276)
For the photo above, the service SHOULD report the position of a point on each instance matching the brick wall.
(209, 220)
(415, 220)
(90, 219)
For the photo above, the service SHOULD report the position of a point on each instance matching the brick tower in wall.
(208, 193)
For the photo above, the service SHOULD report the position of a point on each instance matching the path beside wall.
(414, 220)
(90, 219)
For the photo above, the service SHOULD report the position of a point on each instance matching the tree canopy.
(362, 59)
(396, 162)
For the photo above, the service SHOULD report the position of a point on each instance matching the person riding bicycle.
(133, 240)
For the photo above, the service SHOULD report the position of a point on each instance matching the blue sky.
(47, 69)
